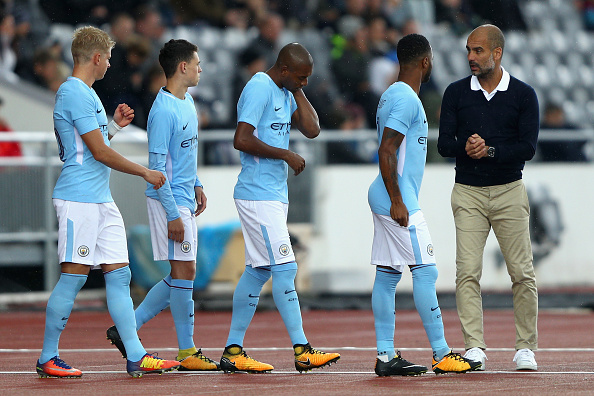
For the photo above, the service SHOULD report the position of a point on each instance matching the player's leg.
(59, 307)
(112, 251)
(386, 256)
(247, 292)
(510, 221)
(383, 304)
(287, 301)
(73, 245)
(245, 301)
(472, 229)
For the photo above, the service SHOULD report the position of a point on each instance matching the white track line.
(280, 372)
(113, 349)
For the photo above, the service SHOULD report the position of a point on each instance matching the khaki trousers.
(505, 209)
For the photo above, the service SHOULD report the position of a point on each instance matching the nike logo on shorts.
(433, 309)
(250, 296)
(289, 291)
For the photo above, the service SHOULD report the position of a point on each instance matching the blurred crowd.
(361, 35)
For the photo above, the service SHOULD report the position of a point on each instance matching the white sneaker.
(525, 360)
(477, 355)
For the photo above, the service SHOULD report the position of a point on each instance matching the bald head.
(492, 33)
(294, 55)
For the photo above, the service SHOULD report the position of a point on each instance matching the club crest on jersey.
(430, 249)
(284, 249)
(185, 246)
(83, 251)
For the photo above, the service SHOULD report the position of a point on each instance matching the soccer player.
(90, 227)
(269, 105)
(401, 237)
(173, 151)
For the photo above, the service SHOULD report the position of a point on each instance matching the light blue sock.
(182, 310)
(57, 312)
(156, 300)
(245, 301)
(121, 309)
(383, 303)
(424, 277)
(287, 301)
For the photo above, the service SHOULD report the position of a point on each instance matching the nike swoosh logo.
(424, 121)
(65, 318)
(289, 291)
(433, 309)
(186, 126)
(191, 315)
(303, 362)
(99, 111)
(277, 109)
(249, 295)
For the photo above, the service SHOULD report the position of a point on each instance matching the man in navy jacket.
(489, 123)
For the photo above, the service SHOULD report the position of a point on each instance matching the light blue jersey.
(79, 110)
(269, 109)
(401, 109)
(173, 132)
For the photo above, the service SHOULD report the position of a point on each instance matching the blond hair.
(88, 40)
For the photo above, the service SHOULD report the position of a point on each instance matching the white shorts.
(90, 233)
(265, 232)
(165, 248)
(396, 246)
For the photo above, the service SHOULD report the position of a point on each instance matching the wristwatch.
(491, 152)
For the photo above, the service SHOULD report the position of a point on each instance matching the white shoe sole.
(527, 366)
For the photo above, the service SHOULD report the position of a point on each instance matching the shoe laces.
(60, 363)
(455, 356)
(200, 356)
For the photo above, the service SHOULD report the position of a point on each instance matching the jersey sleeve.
(252, 103)
(83, 110)
(293, 104)
(401, 114)
(159, 128)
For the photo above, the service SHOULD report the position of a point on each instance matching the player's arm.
(122, 117)
(109, 157)
(175, 224)
(305, 118)
(200, 199)
(244, 140)
(391, 140)
(448, 145)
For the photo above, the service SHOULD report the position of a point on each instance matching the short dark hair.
(412, 47)
(174, 52)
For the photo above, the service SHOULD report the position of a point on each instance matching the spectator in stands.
(270, 28)
(8, 57)
(124, 82)
(505, 14)
(400, 15)
(46, 70)
(8, 149)
(559, 150)
(383, 67)
(121, 28)
(350, 65)
(152, 83)
(456, 15)
(95, 12)
(586, 7)
(200, 12)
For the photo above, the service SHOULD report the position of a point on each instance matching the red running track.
(564, 360)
